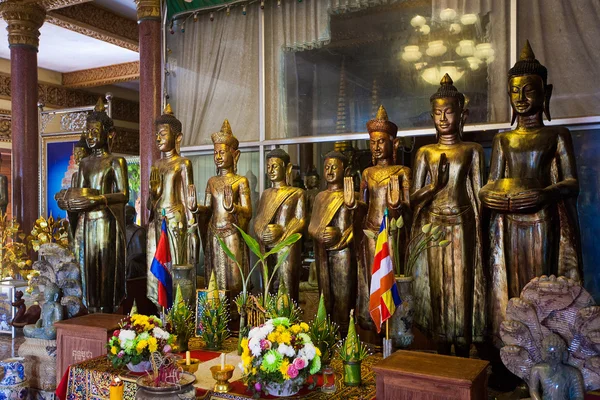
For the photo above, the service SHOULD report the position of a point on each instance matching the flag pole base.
(387, 348)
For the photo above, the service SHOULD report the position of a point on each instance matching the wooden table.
(82, 338)
(411, 375)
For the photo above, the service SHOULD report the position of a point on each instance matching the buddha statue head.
(554, 350)
(279, 167)
(51, 292)
(80, 150)
(448, 108)
(99, 128)
(382, 134)
(335, 167)
(312, 178)
(528, 87)
(226, 148)
(168, 131)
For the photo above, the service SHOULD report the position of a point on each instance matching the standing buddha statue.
(331, 229)
(384, 185)
(227, 203)
(532, 190)
(281, 213)
(446, 182)
(170, 178)
(99, 199)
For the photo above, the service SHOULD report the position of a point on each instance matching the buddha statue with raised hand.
(383, 185)
(170, 178)
(281, 213)
(532, 191)
(446, 182)
(227, 203)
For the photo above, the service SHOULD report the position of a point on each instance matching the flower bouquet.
(139, 336)
(278, 357)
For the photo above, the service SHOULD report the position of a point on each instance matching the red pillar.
(148, 12)
(24, 21)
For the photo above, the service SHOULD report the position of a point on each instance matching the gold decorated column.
(148, 15)
(24, 21)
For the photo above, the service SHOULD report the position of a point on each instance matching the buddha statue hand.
(82, 203)
(393, 192)
(349, 197)
(443, 173)
(272, 234)
(494, 200)
(530, 199)
(156, 183)
(228, 199)
(192, 198)
(331, 236)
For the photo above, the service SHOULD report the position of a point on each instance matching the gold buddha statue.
(532, 191)
(331, 229)
(383, 185)
(446, 182)
(98, 199)
(281, 213)
(170, 178)
(227, 203)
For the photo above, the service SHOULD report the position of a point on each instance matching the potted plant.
(180, 319)
(214, 316)
(352, 352)
(138, 337)
(278, 357)
(324, 332)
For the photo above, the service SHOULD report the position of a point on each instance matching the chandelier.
(454, 44)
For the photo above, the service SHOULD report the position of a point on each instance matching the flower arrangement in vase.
(215, 316)
(139, 336)
(278, 357)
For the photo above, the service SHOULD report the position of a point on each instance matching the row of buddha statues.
(521, 224)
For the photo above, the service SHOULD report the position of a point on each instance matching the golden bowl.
(222, 376)
(192, 368)
(73, 193)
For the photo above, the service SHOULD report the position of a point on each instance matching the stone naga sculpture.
(550, 307)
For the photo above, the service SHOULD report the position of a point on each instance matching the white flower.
(159, 333)
(308, 351)
(286, 350)
(144, 336)
(126, 335)
(254, 345)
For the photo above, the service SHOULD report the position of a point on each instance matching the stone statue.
(383, 185)
(136, 245)
(557, 380)
(331, 227)
(551, 338)
(19, 304)
(24, 315)
(313, 186)
(52, 311)
(3, 191)
(170, 179)
(99, 200)
(227, 203)
(446, 182)
(532, 191)
(281, 213)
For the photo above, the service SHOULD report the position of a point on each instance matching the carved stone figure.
(551, 338)
(227, 203)
(447, 177)
(170, 179)
(99, 199)
(52, 311)
(281, 213)
(331, 229)
(383, 185)
(532, 191)
(19, 304)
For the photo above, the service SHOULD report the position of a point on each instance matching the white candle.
(188, 361)
(222, 361)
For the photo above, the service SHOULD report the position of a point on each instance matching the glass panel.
(213, 74)
(564, 37)
(393, 54)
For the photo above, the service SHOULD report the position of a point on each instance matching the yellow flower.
(283, 369)
(273, 337)
(246, 360)
(152, 344)
(141, 345)
(285, 337)
(280, 328)
(296, 329)
(114, 350)
(318, 351)
(304, 326)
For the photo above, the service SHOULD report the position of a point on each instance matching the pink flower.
(116, 333)
(292, 371)
(265, 344)
(257, 386)
(167, 349)
(120, 354)
(299, 363)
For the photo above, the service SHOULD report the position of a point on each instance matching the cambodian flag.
(161, 264)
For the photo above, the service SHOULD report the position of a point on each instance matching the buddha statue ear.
(396, 145)
(464, 115)
(110, 138)
(547, 96)
(288, 174)
(236, 157)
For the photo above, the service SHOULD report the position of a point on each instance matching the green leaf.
(290, 240)
(251, 243)
(321, 311)
(226, 250)
(426, 228)
(280, 259)
(444, 243)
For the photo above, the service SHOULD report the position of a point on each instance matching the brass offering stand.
(222, 376)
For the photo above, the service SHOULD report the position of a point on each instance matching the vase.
(184, 275)
(13, 385)
(141, 367)
(287, 388)
(352, 373)
(402, 321)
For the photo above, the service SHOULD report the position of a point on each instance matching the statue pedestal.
(40, 363)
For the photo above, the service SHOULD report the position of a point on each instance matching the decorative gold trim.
(148, 9)
(5, 126)
(98, 23)
(56, 4)
(103, 75)
(24, 21)
(126, 141)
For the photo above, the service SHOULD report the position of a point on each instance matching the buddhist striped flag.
(384, 293)
(161, 265)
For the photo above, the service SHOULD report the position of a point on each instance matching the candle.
(188, 361)
(116, 390)
(222, 361)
